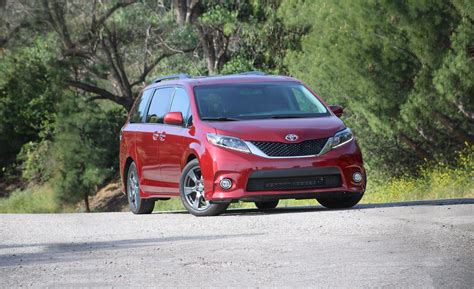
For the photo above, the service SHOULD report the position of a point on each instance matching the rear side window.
(180, 103)
(138, 111)
(159, 105)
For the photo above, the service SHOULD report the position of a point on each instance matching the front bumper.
(288, 177)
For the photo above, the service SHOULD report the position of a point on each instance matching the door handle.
(162, 136)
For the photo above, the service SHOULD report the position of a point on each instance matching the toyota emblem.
(291, 137)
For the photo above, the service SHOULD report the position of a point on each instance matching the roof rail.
(252, 73)
(179, 76)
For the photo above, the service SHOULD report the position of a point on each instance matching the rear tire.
(267, 205)
(137, 204)
(340, 202)
(191, 189)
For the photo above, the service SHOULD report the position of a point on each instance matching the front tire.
(137, 204)
(191, 188)
(340, 202)
(267, 205)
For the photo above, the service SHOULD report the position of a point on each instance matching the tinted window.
(159, 105)
(305, 103)
(140, 106)
(180, 102)
(257, 101)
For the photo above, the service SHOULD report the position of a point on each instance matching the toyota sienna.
(247, 137)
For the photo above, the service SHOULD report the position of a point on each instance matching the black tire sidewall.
(340, 202)
(267, 205)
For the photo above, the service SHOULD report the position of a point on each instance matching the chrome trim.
(256, 151)
(343, 143)
(327, 147)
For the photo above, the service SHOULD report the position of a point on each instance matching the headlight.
(229, 142)
(342, 137)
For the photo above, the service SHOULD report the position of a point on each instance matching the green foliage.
(434, 181)
(263, 39)
(173, 204)
(220, 15)
(238, 64)
(404, 70)
(37, 163)
(454, 80)
(32, 200)
(86, 148)
(145, 31)
(29, 91)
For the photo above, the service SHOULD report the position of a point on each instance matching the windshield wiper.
(288, 116)
(220, 118)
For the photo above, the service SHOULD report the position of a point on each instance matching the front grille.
(279, 149)
(294, 183)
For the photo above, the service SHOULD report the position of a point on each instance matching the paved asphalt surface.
(419, 244)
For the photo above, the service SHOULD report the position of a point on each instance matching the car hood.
(277, 129)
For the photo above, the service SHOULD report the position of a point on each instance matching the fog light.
(357, 177)
(225, 183)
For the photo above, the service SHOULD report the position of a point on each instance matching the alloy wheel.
(194, 190)
(133, 187)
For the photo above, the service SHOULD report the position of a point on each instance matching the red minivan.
(247, 137)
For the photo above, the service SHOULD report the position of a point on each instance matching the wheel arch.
(190, 158)
(123, 176)
(190, 155)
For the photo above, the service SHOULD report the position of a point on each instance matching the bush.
(434, 181)
(30, 88)
(37, 162)
(32, 200)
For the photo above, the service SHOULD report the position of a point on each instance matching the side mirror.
(175, 118)
(337, 110)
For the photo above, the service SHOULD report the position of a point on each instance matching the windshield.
(230, 102)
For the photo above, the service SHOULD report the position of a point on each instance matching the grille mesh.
(279, 149)
(294, 183)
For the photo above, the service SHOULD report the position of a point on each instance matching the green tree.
(109, 48)
(86, 148)
(263, 40)
(29, 91)
(395, 66)
(236, 36)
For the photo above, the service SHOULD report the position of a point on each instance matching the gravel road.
(419, 244)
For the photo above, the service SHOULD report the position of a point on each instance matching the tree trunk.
(180, 8)
(214, 42)
(457, 133)
(186, 11)
(86, 202)
(464, 111)
(420, 152)
(207, 42)
(423, 134)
